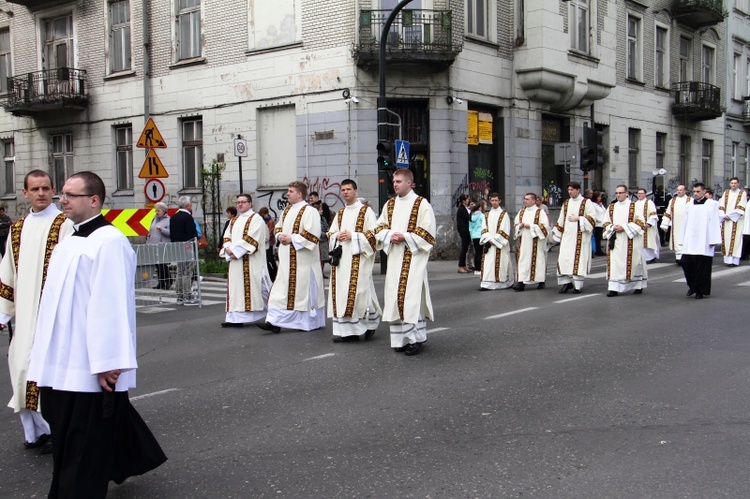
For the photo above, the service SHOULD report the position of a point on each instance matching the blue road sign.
(402, 154)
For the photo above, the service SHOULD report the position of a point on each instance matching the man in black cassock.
(84, 354)
(702, 233)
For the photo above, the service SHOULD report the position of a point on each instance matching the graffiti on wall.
(330, 192)
(463, 188)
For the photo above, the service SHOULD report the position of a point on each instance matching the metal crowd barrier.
(150, 291)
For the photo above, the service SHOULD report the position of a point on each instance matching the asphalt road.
(560, 396)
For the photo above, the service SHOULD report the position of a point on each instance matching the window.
(661, 63)
(747, 165)
(476, 18)
(192, 152)
(735, 151)
(119, 36)
(634, 48)
(747, 77)
(708, 74)
(579, 25)
(58, 42)
(277, 157)
(686, 59)
(684, 165)
(634, 142)
(661, 149)
(5, 71)
(708, 150)
(62, 158)
(124, 157)
(9, 168)
(188, 29)
(736, 77)
(276, 23)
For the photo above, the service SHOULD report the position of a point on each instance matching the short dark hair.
(623, 186)
(734, 178)
(94, 184)
(349, 181)
(232, 210)
(247, 197)
(699, 184)
(315, 193)
(263, 211)
(642, 189)
(531, 194)
(495, 195)
(574, 185)
(36, 173)
(300, 187)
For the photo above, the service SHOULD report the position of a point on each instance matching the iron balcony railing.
(699, 13)
(695, 100)
(746, 111)
(50, 87)
(412, 31)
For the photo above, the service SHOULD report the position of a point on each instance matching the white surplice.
(297, 298)
(352, 302)
(626, 269)
(496, 270)
(674, 217)
(88, 323)
(248, 282)
(406, 302)
(531, 251)
(574, 260)
(22, 270)
(731, 213)
(651, 243)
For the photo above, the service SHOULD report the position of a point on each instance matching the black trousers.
(271, 264)
(465, 242)
(697, 269)
(477, 254)
(163, 276)
(745, 246)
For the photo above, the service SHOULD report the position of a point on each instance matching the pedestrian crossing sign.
(402, 154)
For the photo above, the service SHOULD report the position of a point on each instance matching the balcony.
(47, 91)
(698, 13)
(696, 101)
(31, 4)
(417, 37)
(746, 111)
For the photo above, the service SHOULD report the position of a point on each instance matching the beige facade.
(484, 90)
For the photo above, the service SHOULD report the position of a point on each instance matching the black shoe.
(399, 349)
(576, 291)
(612, 293)
(158, 286)
(412, 349)
(638, 292)
(565, 288)
(541, 285)
(679, 263)
(267, 326)
(47, 447)
(600, 253)
(369, 334)
(698, 296)
(43, 439)
(338, 339)
(232, 324)
(690, 292)
(519, 286)
(345, 339)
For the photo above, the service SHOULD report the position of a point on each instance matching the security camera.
(458, 101)
(355, 100)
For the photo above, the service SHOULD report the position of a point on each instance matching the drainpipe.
(146, 60)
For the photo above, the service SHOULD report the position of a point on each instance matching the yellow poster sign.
(473, 128)
(485, 128)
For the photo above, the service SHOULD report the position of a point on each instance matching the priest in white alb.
(297, 299)
(573, 231)
(352, 302)
(84, 354)
(732, 215)
(532, 228)
(248, 282)
(623, 229)
(495, 239)
(406, 230)
(701, 235)
(674, 218)
(647, 209)
(22, 275)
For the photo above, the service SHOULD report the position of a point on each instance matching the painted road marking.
(319, 357)
(506, 314)
(437, 330)
(577, 298)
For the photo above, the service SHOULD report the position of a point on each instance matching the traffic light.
(597, 142)
(385, 155)
(588, 159)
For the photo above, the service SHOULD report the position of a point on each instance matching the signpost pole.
(240, 159)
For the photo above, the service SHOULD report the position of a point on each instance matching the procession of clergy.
(405, 231)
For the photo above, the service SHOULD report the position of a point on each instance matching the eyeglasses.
(620, 192)
(70, 195)
(242, 202)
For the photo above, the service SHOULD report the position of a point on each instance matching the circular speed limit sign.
(154, 190)
(240, 148)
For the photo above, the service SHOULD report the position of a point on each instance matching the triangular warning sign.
(153, 167)
(151, 137)
(402, 157)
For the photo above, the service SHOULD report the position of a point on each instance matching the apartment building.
(482, 90)
(737, 96)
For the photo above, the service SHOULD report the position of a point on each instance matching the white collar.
(47, 212)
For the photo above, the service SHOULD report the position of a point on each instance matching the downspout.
(146, 60)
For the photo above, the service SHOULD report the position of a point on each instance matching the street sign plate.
(153, 167)
(402, 154)
(154, 190)
(240, 148)
(151, 137)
